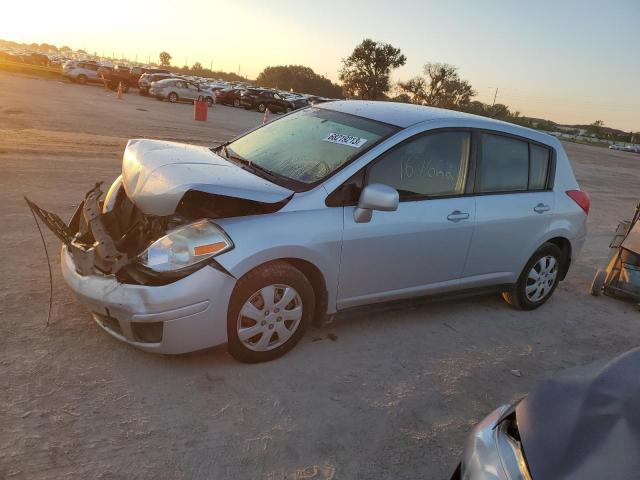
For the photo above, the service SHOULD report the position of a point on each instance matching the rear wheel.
(236, 102)
(269, 311)
(262, 107)
(538, 280)
(288, 109)
(209, 101)
(173, 97)
(81, 79)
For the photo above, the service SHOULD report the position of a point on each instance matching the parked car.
(115, 76)
(146, 79)
(313, 99)
(260, 99)
(229, 96)
(81, 71)
(341, 205)
(137, 72)
(178, 90)
(582, 424)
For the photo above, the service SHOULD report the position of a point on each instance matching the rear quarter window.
(538, 167)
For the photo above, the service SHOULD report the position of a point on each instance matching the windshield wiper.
(247, 165)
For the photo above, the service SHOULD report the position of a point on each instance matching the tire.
(81, 79)
(209, 102)
(598, 283)
(262, 107)
(277, 279)
(125, 87)
(143, 92)
(173, 97)
(236, 102)
(288, 110)
(529, 293)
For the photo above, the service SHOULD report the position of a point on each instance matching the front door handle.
(541, 208)
(457, 215)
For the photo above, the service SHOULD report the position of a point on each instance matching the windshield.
(309, 145)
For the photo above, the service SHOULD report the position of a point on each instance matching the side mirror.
(375, 197)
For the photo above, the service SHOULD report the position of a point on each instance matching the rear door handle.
(457, 215)
(541, 208)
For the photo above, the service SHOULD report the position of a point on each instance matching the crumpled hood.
(156, 175)
(585, 425)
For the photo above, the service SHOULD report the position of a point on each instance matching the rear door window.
(505, 164)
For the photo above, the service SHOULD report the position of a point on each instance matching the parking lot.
(390, 393)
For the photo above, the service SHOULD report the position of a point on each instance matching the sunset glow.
(573, 62)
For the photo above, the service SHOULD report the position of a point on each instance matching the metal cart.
(621, 277)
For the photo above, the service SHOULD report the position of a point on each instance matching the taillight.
(581, 198)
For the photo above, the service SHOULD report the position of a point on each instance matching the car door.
(514, 206)
(423, 245)
(279, 103)
(92, 71)
(192, 91)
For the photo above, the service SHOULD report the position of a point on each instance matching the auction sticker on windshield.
(341, 139)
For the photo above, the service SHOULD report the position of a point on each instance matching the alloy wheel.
(541, 278)
(269, 317)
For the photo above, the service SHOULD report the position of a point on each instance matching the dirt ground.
(389, 394)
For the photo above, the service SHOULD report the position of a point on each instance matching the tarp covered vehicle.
(621, 277)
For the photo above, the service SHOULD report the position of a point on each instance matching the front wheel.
(538, 280)
(269, 311)
(82, 79)
(173, 97)
(262, 107)
(236, 102)
(209, 102)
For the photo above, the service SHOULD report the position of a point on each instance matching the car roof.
(404, 115)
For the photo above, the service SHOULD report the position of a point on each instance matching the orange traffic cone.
(265, 119)
(119, 94)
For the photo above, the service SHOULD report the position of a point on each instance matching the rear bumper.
(191, 312)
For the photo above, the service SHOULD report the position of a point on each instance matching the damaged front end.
(107, 242)
(156, 223)
(114, 237)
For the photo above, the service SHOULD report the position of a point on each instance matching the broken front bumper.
(187, 315)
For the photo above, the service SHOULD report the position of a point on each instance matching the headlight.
(493, 450)
(186, 246)
(510, 449)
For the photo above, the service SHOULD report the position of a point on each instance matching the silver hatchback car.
(336, 206)
(179, 90)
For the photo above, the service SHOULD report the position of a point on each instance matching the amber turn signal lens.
(208, 249)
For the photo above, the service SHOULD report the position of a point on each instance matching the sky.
(565, 60)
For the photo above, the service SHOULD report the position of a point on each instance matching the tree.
(365, 73)
(65, 48)
(48, 47)
(440, 86)
(595, 129)
(165, 59)
(299, 79)
(197, 67)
